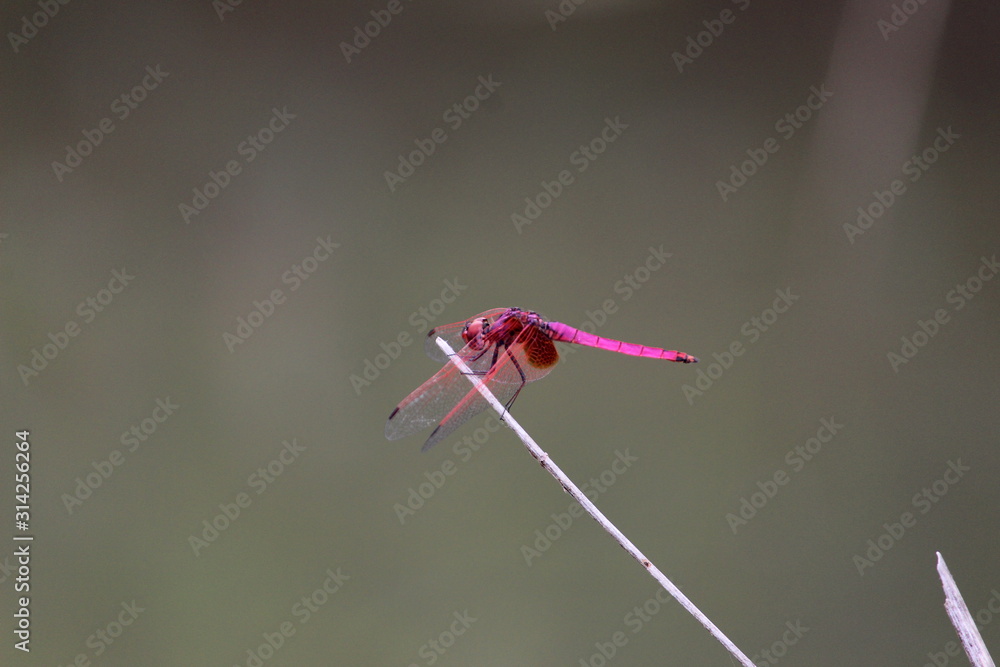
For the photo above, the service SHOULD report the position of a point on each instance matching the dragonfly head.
(474, 328)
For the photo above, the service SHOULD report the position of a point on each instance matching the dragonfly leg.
(507, 406)
(493, 362)
(476, 358)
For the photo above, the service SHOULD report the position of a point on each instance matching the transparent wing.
(430, 402)
(427, 404)
(530, 357)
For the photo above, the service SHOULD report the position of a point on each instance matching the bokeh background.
(691, 87)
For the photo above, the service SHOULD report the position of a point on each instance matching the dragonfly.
(507, 348)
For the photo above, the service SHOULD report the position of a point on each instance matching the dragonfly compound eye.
(473, 328)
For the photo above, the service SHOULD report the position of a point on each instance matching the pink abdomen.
(567, 334)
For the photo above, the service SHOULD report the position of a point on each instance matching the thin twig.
(573, 490)
(973, 642)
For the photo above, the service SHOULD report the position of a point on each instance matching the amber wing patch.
(541, 352)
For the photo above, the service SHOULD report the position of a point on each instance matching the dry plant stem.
(578, 495)
(975, 648)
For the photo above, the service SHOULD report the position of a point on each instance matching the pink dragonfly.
(507, 347)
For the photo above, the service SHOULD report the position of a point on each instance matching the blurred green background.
(700, 94)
